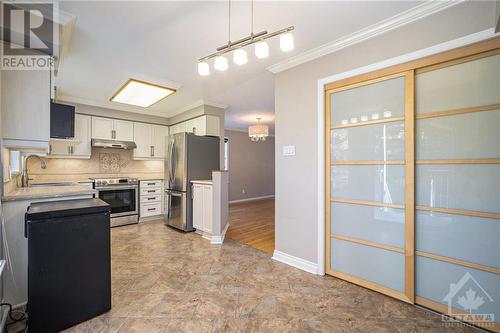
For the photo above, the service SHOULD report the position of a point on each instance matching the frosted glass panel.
(472, 187)
(369, 263)
(474, 83)
(434, 278)
(381, 183)
(376, 224)
(467, 238)
(371, 142)
(469, 135)
(370, 101)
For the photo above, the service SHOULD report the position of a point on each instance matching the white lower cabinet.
(150, 198)
(202, 207)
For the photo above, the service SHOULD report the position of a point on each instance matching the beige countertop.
(203, 182)
(29, 193)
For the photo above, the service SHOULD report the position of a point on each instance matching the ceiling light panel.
(140, 93)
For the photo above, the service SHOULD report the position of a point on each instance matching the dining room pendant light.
(240, 56)
(258, 132)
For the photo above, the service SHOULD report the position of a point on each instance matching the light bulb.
(240, 57)
(220, 63)
(286, 42)
(203, 69)
(261, 50)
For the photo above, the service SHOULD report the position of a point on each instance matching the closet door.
(458, 188)
(370, 185)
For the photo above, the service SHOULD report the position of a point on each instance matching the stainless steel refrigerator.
(189, 157)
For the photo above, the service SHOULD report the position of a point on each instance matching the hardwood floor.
(252, 223)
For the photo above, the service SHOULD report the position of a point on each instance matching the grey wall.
(251, 166)
(296, 114)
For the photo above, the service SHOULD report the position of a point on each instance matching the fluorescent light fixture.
(203, 69)
(240, 57)
(220, 63)
(286, 42)
(261, 50)
(140, 93)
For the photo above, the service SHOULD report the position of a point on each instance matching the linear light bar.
(252, 39)
(141, 93)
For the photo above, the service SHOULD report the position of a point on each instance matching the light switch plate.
(288, 150)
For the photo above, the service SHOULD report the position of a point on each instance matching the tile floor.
(165, 281)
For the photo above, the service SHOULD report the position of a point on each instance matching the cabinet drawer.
(151, 191)
(150, 198)
(150, 183)
(150, 209)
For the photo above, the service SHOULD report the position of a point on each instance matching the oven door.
(122, 199)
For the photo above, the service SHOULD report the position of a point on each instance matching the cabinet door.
(189, 126)
(82, 145)
(142, 138)
(124, 130)
(59, 148)
(102, 128)
(212, 126)
(178, 128)
(207, 208)
(159, 141)
(199, 125)
(23, 92)
(198, 207)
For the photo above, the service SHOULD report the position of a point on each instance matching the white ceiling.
(161, 41)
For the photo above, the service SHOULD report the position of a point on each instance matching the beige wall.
(296, 114)
(251, 166)
(103, 162)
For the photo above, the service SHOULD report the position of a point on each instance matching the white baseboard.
(219, 239)
(296, 262)
(252, 199)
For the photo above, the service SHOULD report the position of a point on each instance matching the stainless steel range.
(122, 195)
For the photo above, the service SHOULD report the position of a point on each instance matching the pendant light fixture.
(240, 56)
(258, 132)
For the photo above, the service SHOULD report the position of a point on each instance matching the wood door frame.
(436, 61)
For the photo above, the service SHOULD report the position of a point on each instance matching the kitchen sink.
(53, 184)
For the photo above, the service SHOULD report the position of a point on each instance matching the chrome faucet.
(24, 164)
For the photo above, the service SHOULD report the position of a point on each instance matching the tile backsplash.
(103, 162)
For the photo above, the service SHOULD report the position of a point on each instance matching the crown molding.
(409, 16)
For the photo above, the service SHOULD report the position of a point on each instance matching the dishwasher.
(69, 263)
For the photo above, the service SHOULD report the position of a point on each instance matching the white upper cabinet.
(150, 141)
(82, 146)
(204, 125)
(112, 129)
(102, 128)
(124, 130)
(159, 140)
(79, 146)
(25, 108)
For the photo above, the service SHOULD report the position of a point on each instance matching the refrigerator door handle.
(172, 164)
(169, 204)
(174, 194)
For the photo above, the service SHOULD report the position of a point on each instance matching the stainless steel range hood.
(102, 143)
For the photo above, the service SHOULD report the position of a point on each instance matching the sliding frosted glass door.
(457, 225)
(370, 157)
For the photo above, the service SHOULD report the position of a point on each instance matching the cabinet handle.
(151, 209)
(151, 151)
(151, 184)
(151, 198)
(113, 134)
(50, 148)
(151, 191)
(72, 150)
(69, 150)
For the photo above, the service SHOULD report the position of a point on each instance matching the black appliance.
(62, 121)
(122, 194)
(69, 263)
